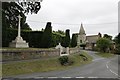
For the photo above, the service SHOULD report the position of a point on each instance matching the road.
(99, 68)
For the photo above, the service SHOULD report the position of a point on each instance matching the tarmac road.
(99, 68)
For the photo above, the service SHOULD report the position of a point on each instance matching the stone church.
(90, 40)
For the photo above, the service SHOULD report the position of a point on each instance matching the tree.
(107, 36)
(74, 40)
(117, 49)
(66, 42)
(31, 6)
(47, 36)
(10, 11)
(26, 26)
(117, 44)
(117, 39)
(103, 44)
(61, 32)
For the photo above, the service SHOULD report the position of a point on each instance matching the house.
(89, 40)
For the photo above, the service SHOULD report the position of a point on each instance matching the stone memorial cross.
(19, 30)
(19, 42)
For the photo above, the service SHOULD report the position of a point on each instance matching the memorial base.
(19, 43)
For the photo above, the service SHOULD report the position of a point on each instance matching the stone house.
(89, 40)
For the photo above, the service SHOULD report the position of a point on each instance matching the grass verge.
(10, 69)
(106, 55)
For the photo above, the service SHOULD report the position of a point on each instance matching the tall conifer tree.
(67, 38)
(47, 36)
(74, 41)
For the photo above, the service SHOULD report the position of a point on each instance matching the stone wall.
(9, 55)
(13, 55)
(74, 50)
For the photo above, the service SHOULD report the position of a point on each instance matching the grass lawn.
(106, 55)
(42, 65)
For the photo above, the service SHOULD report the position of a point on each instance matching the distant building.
(90, 40)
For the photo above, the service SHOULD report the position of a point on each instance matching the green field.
(51, 64)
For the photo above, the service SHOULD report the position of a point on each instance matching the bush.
(65, 60)
(70, 61)
(117, 49)
(84, 57)
(103, 44)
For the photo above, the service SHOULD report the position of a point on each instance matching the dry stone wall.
(14, 55)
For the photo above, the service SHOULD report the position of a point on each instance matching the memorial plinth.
(19, 42)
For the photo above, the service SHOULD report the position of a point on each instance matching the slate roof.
(92, 38)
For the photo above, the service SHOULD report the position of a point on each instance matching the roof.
(92, 38)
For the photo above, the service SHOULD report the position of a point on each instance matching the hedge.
(32, 37)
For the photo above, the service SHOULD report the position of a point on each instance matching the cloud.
(75, 12)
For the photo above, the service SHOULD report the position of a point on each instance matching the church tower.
(81, 36)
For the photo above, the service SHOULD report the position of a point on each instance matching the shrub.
(117, 44)
(84, 57)
(65, 60)
(103, 44)
(117, 49)
(70, 61)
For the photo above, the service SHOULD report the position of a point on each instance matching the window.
(80, 41)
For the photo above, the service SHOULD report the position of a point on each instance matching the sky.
(95, 15)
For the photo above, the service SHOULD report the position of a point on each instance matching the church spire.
(82, 31)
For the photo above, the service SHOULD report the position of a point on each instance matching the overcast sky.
(96, 16)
